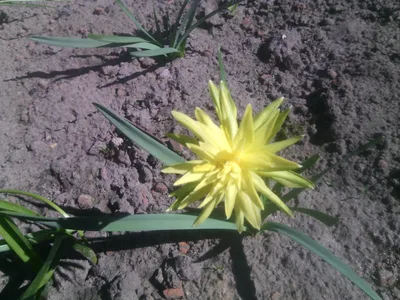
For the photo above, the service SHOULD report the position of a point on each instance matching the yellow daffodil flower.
(233, 160)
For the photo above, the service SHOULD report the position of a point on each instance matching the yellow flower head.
(233, 160)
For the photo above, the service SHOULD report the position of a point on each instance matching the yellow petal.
(266, 113)
(288, 178)
(182, 138)
(263, 189)
(203, 151)
(204, 118)
(214, 93)
(230, 199)
(189, 123)
(266, 161)
(249, 210)
(195, 196)
(264, 131)
(278, 146)
(245, 133)
(215, 192)
(278, 123)
(249, 189)
(239, 217)
(228, 111)
(205, 213)
(182, 168)
(189, 177)
(180, 194)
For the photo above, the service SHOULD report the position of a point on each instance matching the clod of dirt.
(186, 268)
(85, 201)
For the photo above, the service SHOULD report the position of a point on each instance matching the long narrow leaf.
(116, 39)
(5, 205)
(186, 22)
(202, 20)
(145, 222)
(17, 242)
(37, 197)
(45, 273)
(137, 24)
(85, 251)
(320, 216)
(173, 36)
(144, 45)
(69, 42)
(36, 237)
(324, 253)
(221, 66)
(151, 53)
(140, 138)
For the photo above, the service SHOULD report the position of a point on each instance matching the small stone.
(276, 296)
(85, 201)
(173, 293)
(146, 62)
(331, 73)
(386, 278)
(103, 174)
(117, 141)
(121, 92)
(43, 84)
(337, 9)
(246, 23)
(123, 158)
(164, 74)
(175, 146)
(183, 247)
(160, 187)
(382, 164)
(98, 11)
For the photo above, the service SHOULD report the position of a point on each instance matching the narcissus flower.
(233, 160)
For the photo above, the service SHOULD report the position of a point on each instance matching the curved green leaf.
(116, 39)
(324, 253)
(86, 252)
(5, 205)
(147, 46)
(69, 42)
(156, 52)
(45, 273)
(320, 216)
(145, 222)
(140, 138)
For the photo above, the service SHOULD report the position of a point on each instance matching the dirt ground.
(337, 62)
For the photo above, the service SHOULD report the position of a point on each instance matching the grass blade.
(5, 205)
(137, 24)
(173, 36)
(320, 216)
(37, 197)
(116, 39)
(324, 253)
(17, 242)
(187, 21)
(202, 20)
(36, 238)
(86, 252)
(156, 52)
(145, 45)
(45, 273)
(68, 42)
(145, 222)
(140, 138)
(158, 27)
(221, 66)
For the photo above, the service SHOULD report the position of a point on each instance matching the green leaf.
(145, 222)
(45, 273)
(156, 52)
(221, 66)
(173, 37)
(5, 205)
(322, 252)
(17, 242)
(183, 38)
(37, 237)
(147, 46)
(186, 22)
(320, 216)
(86, 252)
(140, 138)
(136, 22)
(37, 197)
(116, 39)
(69, 42)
